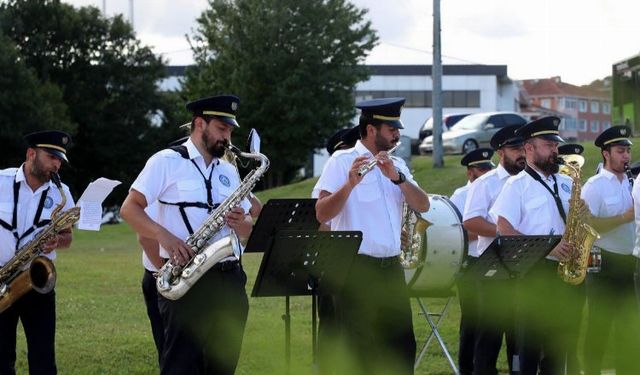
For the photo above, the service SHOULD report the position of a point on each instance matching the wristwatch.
(401, 178)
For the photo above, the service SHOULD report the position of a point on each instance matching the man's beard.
(547, 165)
(382, 144)
(513, 167)
(38, 171)
(215, 148)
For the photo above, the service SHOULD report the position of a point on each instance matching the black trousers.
(150, 293)
(548, 316)
(376, 314)
(37, 312)
(468, 298)
(612, 305)
(496, 319)
(204, 329)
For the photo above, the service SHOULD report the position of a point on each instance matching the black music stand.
(510, 257)
(304, 263)
(279, 214)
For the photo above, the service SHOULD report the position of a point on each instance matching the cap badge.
(555, 122)
(623, 131)
(65, 140)
(576, 150)
(485, 154)
(234, 106)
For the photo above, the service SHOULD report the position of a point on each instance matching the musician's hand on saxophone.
(178, 250)
(59, 241)
(240, 222)
(562, 250)
(51, 245)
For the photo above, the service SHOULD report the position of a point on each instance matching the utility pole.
(131, 13)
(436, 93)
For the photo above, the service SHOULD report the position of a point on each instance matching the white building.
(465, 89)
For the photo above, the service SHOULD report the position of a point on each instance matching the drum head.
(443, 249)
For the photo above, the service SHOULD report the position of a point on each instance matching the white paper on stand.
(90, 203)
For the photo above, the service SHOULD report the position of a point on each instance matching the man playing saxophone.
(536, 202)
(376, 313)
(27, 199)
(610, 292)
(203, 329)
(495, 308)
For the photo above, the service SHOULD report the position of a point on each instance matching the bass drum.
(443, 248)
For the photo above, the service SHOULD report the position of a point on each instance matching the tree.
(108, 81)
(294, 64)
(26, 105)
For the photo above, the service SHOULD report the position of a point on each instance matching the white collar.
(20, 177)
(194, 153)
(362, 149)
(501, 172)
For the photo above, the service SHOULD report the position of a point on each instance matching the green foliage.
(294, 65)
(26, 104)
(107, 79)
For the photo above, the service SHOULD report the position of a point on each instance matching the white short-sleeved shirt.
(374, 205)
(152, 212)
(169, 177)
(480, 198)
(529, 207)
(458, 198)
(28, 201)
(635, 193)
(607, 196)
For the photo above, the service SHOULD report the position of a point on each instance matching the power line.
(431, 52)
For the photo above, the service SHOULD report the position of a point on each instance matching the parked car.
(447, 120)
(473, 131)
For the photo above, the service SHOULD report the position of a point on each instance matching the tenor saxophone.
(28, 269)
(174, 280)
(577, 233)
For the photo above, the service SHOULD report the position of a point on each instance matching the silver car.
(473, 131)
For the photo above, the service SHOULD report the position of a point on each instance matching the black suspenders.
(209, 206)
(37, 223)
(554, 192)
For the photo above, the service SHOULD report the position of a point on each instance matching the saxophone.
(28, 269)
(577, 233)
(414, 226)
(173, 280)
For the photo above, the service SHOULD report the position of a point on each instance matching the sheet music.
(90, 203)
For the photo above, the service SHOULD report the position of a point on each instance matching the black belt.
(379, 262)
(229, 265)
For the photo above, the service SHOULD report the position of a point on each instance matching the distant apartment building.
(585, 110)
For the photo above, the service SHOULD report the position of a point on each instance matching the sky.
(578, 40)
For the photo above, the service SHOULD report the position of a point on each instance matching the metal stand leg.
(434, 332)
(287, 335)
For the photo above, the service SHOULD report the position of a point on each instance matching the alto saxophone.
(577, 233)
(173, 280)
(28, 269)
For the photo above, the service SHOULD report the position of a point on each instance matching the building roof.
(499, 71)
(555, 87)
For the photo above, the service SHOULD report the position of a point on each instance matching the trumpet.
(369, 166)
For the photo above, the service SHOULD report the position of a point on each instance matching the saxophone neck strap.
(554, 192)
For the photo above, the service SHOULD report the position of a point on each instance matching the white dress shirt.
(152, 211)
(27, 206)
(635, 193)
(458, 198)
(607, 196)
(374, 205)
(480, 198)
(529, 207)
(169, 177)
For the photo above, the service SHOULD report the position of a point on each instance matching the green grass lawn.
(102, 326)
